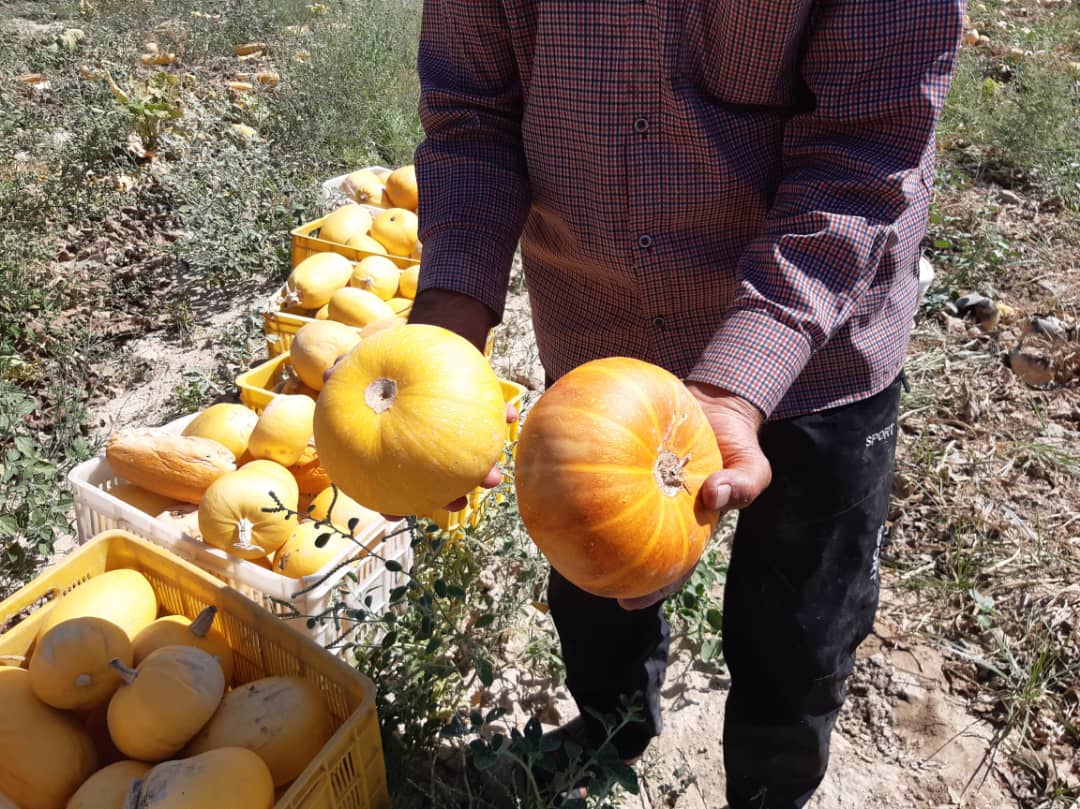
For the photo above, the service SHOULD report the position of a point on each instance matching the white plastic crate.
(294, 600)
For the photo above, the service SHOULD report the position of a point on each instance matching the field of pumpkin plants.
(204, 206)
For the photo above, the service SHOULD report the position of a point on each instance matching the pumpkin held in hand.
(411, 419)
(609, 465)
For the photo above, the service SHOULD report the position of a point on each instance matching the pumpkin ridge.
(630, 565)
(624, 381)
(620, 517)
(594, 417)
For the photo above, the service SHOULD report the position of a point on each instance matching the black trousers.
(801, 593)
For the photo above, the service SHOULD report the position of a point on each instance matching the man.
(735, 191)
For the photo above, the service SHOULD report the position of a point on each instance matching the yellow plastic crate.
(348, 773)
(256, 391)
(257, 384)
(304, 244)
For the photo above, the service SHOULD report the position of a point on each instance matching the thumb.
(739, 483)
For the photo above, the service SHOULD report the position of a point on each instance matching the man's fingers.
(736, 487)
(650, 599)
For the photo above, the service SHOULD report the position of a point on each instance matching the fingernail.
(721, 495)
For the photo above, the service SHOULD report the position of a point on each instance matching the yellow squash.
(283, 719)
(164, 702)
(314, 280)
(45, 754)
(376, 274)
(343, 223)
(411, 420)
(108, 788)
(227, 423)
(283, 430)
(246, 513)
(227, 778)
(317, 346)
(310, 548)
(357, 307)
(121, 596)
(178, 630)
(70, 665)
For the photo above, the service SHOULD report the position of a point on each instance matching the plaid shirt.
(735, 190)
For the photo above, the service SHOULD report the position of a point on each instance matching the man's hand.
(746, 472)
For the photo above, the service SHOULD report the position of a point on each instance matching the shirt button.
(658, 322)
(644, 240)
(641, 125)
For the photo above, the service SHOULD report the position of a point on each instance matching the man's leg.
(610, 653)
(801, 593)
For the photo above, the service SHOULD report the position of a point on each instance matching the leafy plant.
(696, 611)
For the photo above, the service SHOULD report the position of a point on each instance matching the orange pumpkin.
(609, 465)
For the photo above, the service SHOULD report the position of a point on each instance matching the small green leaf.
(715, 618)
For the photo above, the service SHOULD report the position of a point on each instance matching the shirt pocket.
(744, 53)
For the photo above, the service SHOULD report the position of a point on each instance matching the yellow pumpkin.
(283, 719)
(45, 754)
(283, 430)
(144, 500)
(343, 223)
(227, 423)
(396, 230)
(363, 242)
(317, 346)
(108, 788)
(274, 471)
(226, 778)
(376, 274)
(357, 307)
(233, 515)
(323, 312)
(401, 306)
(178, 630)
(365, 187)
(333, 505)
(411, 420)
(164, 702)
(410, 278)
(401, 187)
(122, 596)
(314, 280)
(70, 665)
(311, 547)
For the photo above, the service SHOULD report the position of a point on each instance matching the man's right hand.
(459, 313)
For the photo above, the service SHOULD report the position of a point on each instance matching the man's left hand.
(746, 472)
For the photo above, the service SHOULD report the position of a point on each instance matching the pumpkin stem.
(127, 674)
(243, 535)
(668, 472)
(380, 394)
(200, 627)
(83, 680)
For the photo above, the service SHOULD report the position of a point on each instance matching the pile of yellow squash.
(250, 485)
(328, 286)
(117, 707)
